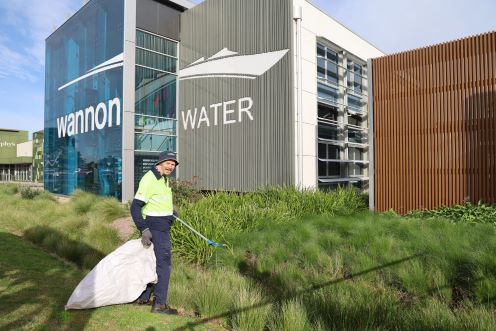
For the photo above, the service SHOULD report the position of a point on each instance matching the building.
(38, 156)
(15, 155)
(249, 93)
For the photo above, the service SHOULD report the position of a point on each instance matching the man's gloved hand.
(174, 211)
(146, 238)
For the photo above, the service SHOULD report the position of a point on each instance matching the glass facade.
(342, 119)
(83, 100)
(155, 107)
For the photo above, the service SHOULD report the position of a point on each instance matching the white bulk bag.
(118, 278)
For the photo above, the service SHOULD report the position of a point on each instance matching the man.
(152, 211)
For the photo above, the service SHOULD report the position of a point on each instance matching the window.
(328, 131)
(332, 73)
(321, 70)
(329, 151)
(355, 154)
(155, 98)
(327, 93)
(354, 76)
(320, 50)
(327, 112)
(333, 152)
(354, 120)
(332, 56)
(340, 82)
(354, 103)
(327, 64)
(355, 136)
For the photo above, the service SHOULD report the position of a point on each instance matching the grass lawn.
(295, 261)
(34, 287)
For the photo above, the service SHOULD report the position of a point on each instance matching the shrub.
(83, 202)
(185, 191)
(466, 213)
(29, 193)
(109, 209)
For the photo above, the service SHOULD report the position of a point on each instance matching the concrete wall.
(25, 149)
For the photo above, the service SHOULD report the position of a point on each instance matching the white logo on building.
(82, 121)
(116, 61)
(226, 63)
(227, 112)
(7, 144)
(98, 117)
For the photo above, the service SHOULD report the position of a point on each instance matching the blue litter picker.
(209, 242)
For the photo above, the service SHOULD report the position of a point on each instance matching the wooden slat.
(435, 124)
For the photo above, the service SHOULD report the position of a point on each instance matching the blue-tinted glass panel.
(322, 153)
(333, 152)
(327, 112)
(332, 56)
(333, 169)
(155, 60)
(152, 142)
(355, 153)
(355, 136)
(322, 169)
(332, 73)
(155, 124)
(328, 93)
(83, 115)
(328, 132)
(354, 102)
(321, 71)
(320, 50)
(155, 93)
(156, 43)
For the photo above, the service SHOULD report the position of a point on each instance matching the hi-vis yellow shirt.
(156, 194)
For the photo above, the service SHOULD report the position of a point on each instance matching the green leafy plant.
(29, 193)
(467, 213)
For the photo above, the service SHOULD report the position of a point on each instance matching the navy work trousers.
(162, 249)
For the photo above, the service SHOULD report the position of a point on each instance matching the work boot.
(163, 309)
(143, 302)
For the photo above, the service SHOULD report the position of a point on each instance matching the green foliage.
(368, 271)
(110, 209)
(185, 191)
(35, 286)
(77, 231)
(8, 188)
(222, 214)
(29, 193)
(250, 319)
(82, 202)
(467, 213)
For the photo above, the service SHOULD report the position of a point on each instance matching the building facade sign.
(235, 94)
(83, 98)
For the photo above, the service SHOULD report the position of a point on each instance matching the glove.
(174, 211)
(146, 238)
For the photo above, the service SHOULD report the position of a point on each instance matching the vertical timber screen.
(434, 113)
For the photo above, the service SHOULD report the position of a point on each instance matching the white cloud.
(24, 26)
(394, 26)
(14, 64)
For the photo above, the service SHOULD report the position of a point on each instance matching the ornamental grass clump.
(222, 214)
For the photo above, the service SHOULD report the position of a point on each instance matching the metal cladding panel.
(221, 145)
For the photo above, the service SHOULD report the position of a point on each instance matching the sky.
(390, 25)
